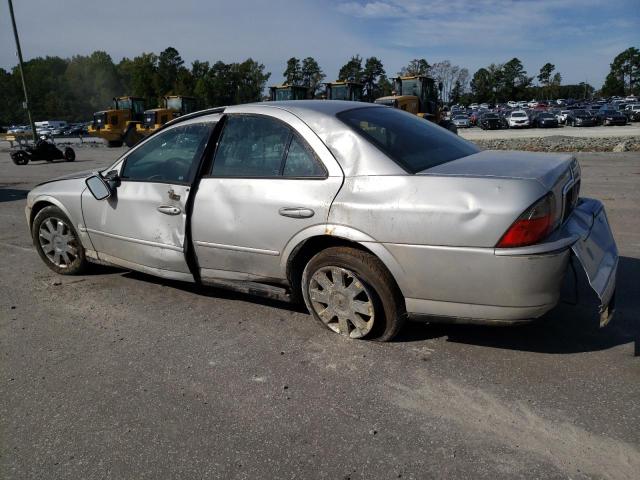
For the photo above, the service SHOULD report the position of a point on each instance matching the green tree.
(624, 75)
(170, 63)
(544, 77)
(352, 70)
(293, 73)
(139, 77)
(373, 71)
(482, 85)
(311, 74)
(93, 81)
(456, 92)
(417, 66)
(514, 80)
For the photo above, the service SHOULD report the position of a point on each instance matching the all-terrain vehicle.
(42, 150)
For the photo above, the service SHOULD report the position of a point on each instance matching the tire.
(130, 137)
(114, 143)
(69, 154)
(67, 257)
(380, 312)
(20, 158)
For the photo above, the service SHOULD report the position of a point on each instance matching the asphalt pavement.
(117, 374)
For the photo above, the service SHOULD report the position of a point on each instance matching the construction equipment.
(340, 90)
(418, 95)
(118, 124)
(289, 92)
(173, 107)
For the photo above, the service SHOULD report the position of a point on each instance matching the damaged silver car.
(367, 213)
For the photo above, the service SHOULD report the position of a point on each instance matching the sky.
(581, 37)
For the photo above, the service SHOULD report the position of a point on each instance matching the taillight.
(532, 226)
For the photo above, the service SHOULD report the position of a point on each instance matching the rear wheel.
(352, 293)
(69, 154)
(57, 242)
(20, 158)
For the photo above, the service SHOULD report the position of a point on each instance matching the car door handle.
(169, 210)
(296, 212)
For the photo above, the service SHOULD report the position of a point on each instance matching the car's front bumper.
(506, 286)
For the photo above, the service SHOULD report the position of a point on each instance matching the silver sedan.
(366, 213)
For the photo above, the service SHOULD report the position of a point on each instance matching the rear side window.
(251, 146)
(254, 146)
(413, 142)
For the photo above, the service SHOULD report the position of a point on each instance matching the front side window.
(254, 146)
(171, 156)
(413, 142)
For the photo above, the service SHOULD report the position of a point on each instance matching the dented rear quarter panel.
(433, 210)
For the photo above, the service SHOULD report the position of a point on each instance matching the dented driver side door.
(142, 225)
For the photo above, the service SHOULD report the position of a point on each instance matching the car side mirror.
(98, 187)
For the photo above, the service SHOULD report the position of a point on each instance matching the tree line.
(74, 88)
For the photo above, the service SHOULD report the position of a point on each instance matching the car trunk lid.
(545, 168)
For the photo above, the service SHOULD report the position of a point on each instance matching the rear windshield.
(413, 142)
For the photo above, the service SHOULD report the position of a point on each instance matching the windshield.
(518, 114)
(284, 94)
(410, 87)
(339, 92)
(490, 116)
(413, 142)
(460, 117)
(123, 104)
(174, 103)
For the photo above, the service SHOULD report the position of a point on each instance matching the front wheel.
(57, 242)
(114, 143)
(352, 293)
(20, 158)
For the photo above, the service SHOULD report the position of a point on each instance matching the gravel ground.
(558, 143)
(117, 374)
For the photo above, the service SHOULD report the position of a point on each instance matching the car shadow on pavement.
(12, 194)
(566, 329)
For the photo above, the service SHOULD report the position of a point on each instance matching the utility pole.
(24, 84)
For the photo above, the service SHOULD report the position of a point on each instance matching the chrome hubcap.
(341, 301)
(57, 242)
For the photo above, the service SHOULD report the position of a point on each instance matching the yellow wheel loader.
(173, 107)
(420, 96)
(344, 91)
(117, 125)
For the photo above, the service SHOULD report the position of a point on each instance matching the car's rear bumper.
(505, 286)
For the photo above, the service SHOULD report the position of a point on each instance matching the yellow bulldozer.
(418, 95)
(339, 90)
(289, 92)
(117, 125)
(173, 106)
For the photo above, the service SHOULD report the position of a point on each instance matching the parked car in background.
(461, 121)
(512, 104)
(17, 130)
(611, 117)
(489, 121)
(562, 116)
(580, 118)
(544, 120)
(632, 112)
(368, 213)
(518, 119)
